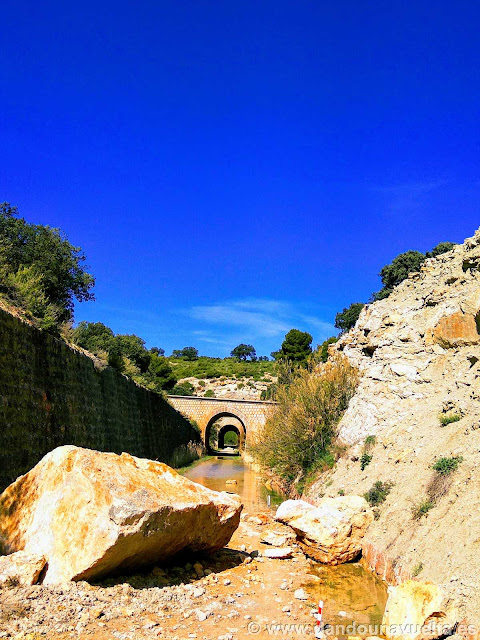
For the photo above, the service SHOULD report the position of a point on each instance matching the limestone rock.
(292, 509)
(412, 605)
(331, 532)
(456, 330)
(21, 569)
(92, 513)
(277, 539)
(280, 553)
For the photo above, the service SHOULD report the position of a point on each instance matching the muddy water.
(351, 594)
(214, 472)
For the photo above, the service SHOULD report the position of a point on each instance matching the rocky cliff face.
(419, 355)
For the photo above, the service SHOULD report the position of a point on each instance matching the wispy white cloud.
(257, 318)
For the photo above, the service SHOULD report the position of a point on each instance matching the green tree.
(397, 271)
(183, 389)
(57, 264)
(158, 351)
(324, 347)
(161, 373)
(93, 336)
(187, 353)
(442, 247)
(243, 352)
(346, 319)
(133, 348)
(296, 347)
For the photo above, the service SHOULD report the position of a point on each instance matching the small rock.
(197, 592)
(201, 615)
(300, 594)
(227, 581)
(279, 553)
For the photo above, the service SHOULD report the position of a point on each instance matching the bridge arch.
(251, 414)
(227, 419)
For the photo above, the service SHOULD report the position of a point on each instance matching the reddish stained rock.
(456, 330)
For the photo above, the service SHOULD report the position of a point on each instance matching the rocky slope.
(246, 388)
(419, 354)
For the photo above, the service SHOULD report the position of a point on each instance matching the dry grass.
(298, 439)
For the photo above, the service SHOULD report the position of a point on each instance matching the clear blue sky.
(235, 169)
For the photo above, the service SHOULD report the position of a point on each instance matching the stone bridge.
(243, 417)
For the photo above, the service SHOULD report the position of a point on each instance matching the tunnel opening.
(225, 434)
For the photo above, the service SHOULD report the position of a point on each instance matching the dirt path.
(236, 594)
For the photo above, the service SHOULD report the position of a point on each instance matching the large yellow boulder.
(90, 514)
(414, 609)
(332, 531)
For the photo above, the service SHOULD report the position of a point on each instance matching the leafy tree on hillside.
(157, 351)
(296, 347)
(93, 336)
(187, 353)
(394, 273)
(442, 247)
(243, 352)
(183, 389)
(43, 256)
(161, 373)
(346, 319)
(133, 347)
(324, 347)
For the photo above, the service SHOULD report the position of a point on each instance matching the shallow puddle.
(350, 593)
(214, 472)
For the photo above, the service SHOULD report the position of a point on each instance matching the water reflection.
(348, 588)
(250, 486)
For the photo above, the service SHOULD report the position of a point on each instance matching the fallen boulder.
(332, 531)
(20, 569)
(417, 609)
(292, 509)
(91, 514)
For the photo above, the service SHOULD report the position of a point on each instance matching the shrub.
(183, 389)
(417, 569)
(210, 393)
(378, 493)
(341, 492)
(346, 319)
(370, 441)
(445, 466)
(299, 435)
(422, 508)
(365, 460)
(201, 383)
(446, 418)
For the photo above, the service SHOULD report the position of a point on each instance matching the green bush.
(445, 466)
(378, 493)
(346, 319)
(299, 436)
(422, 508)
(365, 461)
(183, 389)
(40, 270)
(370, 441)
(446, 418)
(210, 393)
